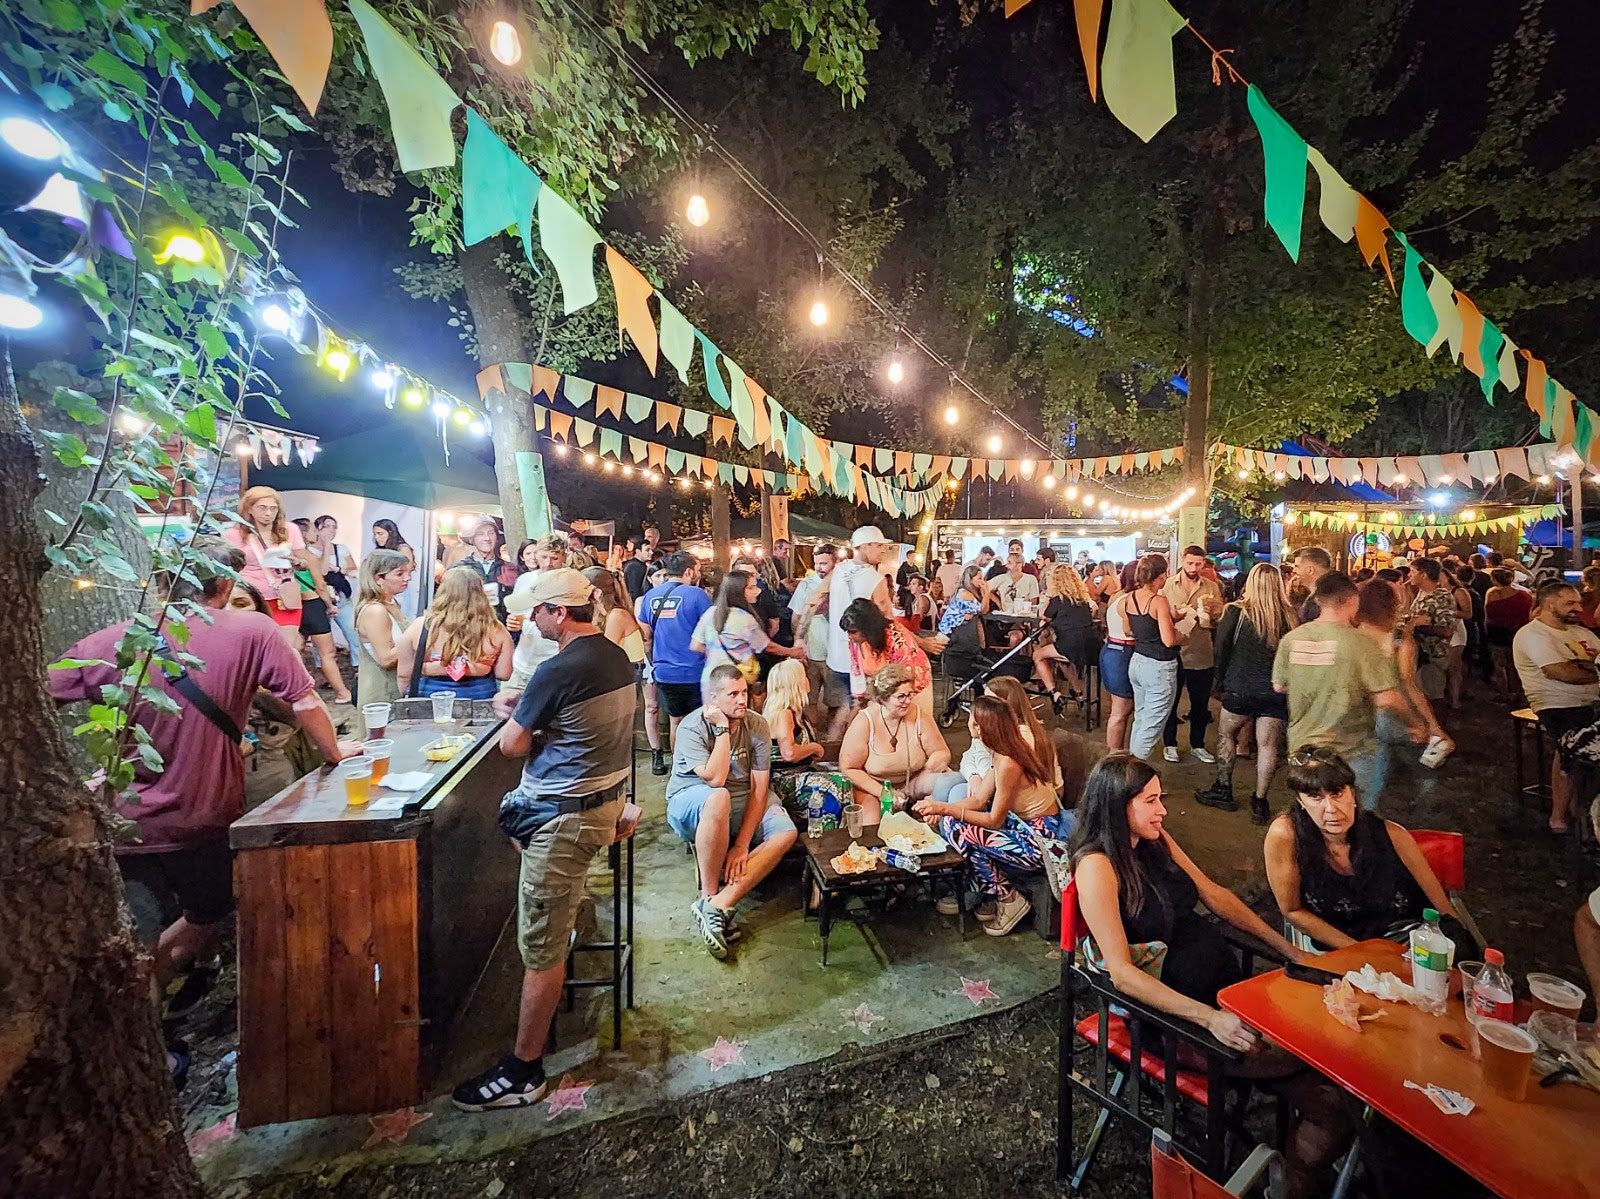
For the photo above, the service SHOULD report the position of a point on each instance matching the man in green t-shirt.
(1336, 678)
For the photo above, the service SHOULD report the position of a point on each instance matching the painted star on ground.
(224, 1128)
(977, 990)
(568, 1097)
(395, 1126)
(862, 1017)
(724, 1053)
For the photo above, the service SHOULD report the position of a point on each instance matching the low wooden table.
(948, 867)
(1546, 1147)
(362, 931)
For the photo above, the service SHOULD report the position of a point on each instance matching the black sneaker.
(658, 763)
(1218, 796)
(1260, 811)
(511, 1083)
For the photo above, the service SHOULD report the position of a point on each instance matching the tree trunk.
(1202, 300)
(85, 1105)
(721, 528)
(500, 339)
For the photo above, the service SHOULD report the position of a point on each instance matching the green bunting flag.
(498, 189)
(677, 338)
(1489, 348)
(714, 384)
(1285, 154)
(1136, 75)
(579, 392)
(1416, 311)
(1338, 202)
(695, 422)
(569, 242)
(420, 103)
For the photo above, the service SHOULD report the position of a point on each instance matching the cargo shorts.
(550, 885)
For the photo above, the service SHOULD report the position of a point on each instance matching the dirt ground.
(973, 1107)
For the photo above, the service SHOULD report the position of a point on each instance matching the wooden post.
(721, 528)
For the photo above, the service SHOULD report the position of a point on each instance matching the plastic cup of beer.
(444, 706)
(852, 820)
(357, 775)
(1507, 1057)
(378, 752)
(1552, 994)
(376, 718)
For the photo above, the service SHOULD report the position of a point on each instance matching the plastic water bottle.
(886, 800)
(1431, 954)
(1491, 995)
(909, 862)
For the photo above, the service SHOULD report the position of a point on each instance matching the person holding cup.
(459, 645)
(1190, 591)
(385, 575)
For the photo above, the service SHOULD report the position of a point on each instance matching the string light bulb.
(560, 450)
(276, 318)
(505, 43)
(1049, 482)
(697, 212)
(19, 313)
(441, 409)
(412, 397)
(897, 371)
(952, 414)
(382, 378)
(32, 139)
(588, 459)
(819, 312)
(995, 443)
(338, 360)
(183, 247)
(478, 428)
(462, 417)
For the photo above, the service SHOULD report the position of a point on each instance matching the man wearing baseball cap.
(574, 724)
(859, 578)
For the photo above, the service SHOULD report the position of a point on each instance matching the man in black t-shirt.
(636, 570)
(574, 724)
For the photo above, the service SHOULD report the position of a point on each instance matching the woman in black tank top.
(1153, 669)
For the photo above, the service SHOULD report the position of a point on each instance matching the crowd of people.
(775, 694)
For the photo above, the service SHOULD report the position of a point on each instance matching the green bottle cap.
(1431, 916)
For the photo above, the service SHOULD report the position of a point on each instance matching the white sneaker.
(1202, 754)
(1170, 753)
(1007, 913)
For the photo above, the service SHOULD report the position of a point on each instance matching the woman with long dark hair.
(1153, 669)
(876, 641)
(1137, 892)
(1341, 874)
(1000, 835)
(386, 536)
(731, 634)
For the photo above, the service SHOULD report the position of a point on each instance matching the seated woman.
(1069, 609)
(1136, 887)
(1000, 834)
(966, 651)
(892, 741)
(809, 789)
(1012, 693)
(876, 641)
(1341, 874)
(459, 645)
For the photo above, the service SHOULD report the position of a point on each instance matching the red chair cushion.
(1173, 1178)
(1120, 1046)
(1446, 853)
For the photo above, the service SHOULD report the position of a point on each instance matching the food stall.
(1358, 535)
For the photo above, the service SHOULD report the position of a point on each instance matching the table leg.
(824, 921)
(1347, 1172)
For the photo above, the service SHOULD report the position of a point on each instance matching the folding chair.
(1117, 1028)
(1171, 1177)
(1447, 854)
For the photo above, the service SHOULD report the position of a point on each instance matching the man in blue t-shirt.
(669, 614)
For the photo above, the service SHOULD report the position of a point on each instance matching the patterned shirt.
(957, 612)
(1438, 607)
(899, 646)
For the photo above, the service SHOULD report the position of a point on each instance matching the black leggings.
(1198, 684)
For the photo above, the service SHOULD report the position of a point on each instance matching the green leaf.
(80, 406)
(53, 96)
(68, 448)
(289, 119)
(151, 757)
(119, 568)
(213, 340)
(76, 663)
(117, 111)
(202, 423)
(108, 66)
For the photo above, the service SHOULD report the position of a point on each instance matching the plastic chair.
(1447, 854)
(1171, 1177)
(1117, 1028)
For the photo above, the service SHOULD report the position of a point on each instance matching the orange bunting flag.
(941, 465)
(1370, 227)
(1088, 14)
(546, 381)
(762, 430)
(667, 416)
(633, 306)
(902, 462)
(863, 456)
(607, 401)
(1471, 335)
(722, 429)
(658, 454)
(561, 426)
(296, 33)
(1014, 6)
(491, 378)
(1533, 384)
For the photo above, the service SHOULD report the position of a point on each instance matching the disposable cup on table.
(1507, 1057)
(1551, 994)
(1467, 974)
(357, 775)
(444, 706)
(852, 820)
(376, 718)
(378, 752)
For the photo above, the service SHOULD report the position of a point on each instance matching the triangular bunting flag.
(419, 102)
(1416, 311)
(1088, 17)
(633, 306)
(544, 381)
(568, 241)
(585, 430)
(667, 416)
(721, 430)
(677, 338)
(1370, 227)
(1337, 202)
(578, 392)
(639, 407)
(1285, 155)
(498, 189)
(1136, 69)
(608, 401)
(1442, 296)
(695, 422)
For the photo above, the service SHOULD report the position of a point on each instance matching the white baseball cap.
(868, 535)
(565, 586)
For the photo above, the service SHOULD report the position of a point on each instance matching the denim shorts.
(684, 808)
(1114, 660)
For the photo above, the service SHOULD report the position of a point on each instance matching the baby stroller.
(969, 662)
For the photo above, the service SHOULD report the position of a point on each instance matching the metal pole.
(1577, 518)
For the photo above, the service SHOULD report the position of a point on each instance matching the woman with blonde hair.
(1069, 609)
(385, 575)
(812, 793)
(893, 741)
(614, 615)
(459, 645)
(1247, 642)
(274, 549)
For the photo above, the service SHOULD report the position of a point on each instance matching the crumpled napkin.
(410, 780)
(1451, 1103)
(1382, 986)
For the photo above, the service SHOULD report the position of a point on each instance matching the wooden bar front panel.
(328, 979)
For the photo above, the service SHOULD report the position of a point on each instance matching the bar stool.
(1089, 675)
(1524, 721)
(619, 947)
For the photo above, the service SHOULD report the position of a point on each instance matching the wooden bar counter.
(363, 932)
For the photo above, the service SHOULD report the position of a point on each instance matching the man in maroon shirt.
(183, 812)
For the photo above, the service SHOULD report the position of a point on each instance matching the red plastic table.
(1546, 1147)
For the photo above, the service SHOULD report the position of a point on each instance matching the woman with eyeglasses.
(1341, 874)
(1137, 892)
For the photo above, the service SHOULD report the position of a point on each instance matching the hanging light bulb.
(32, 139)
(441, 409)
(276, 317)
(896, 371)
(819, 312)
(462, 417)
(382, 378)
(505, 43)
(184, 247)
(338, 360)
(19, 313)
(995, 443)
(697, 212)
(477, 428)
(952, 414)
(412, 397)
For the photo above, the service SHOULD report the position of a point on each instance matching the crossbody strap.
(416, 666)
(183, 683)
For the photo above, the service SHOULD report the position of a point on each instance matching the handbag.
(750, 669)
(288, 590)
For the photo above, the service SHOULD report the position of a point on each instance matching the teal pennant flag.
(1285, 155)
(420, 103)
(1489, 347)
(639, 407)
(579, 392)
(611, 443)
(1416, 309)
(714, 382)
(695, 422)
(568, 241)
(744, 409)
(498, 189)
